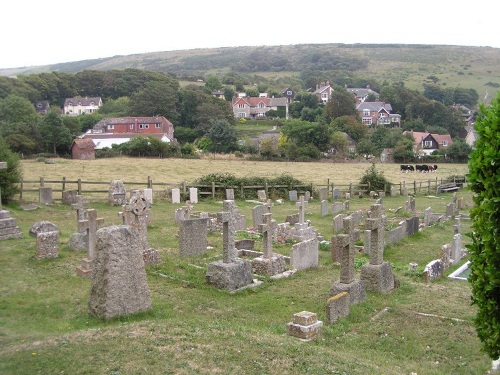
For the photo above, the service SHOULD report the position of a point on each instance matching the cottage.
(42, 107)
(323, 91)
(426, 143)
(256, 108)
(361, 94)
(378, 113)
(81, 105)
(83, 149)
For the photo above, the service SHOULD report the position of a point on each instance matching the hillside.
(448, 66)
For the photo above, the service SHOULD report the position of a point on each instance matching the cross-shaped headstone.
(267, 231)
(90, 225)
(269, 205)
(135, 216)
(228, 231)
(3, 165)
(301, 204)
(375, 223)
(347, 269)
(81, 207)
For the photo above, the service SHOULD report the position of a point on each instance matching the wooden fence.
(29, 189)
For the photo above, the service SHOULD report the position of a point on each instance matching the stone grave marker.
(78, 240)
(304, 325)
(292, 195)
(183, 213)
(307, 196)
(338, 223)
(230, 273)
(304, 255)
(456, 248)
(69, 197)
(117, 193)
(427, 216)
(377, 275)
(176, 196)
(337, 307)
(336, 193)
(268, 264)
(90, 226)
(337, 207)
(193, 237)
(450, 210)
(47, 239)
(8, 225)
(193, 195)
(148, 194)
(347, 196)
(394, 191)
(324, 207)
(258, 215)
(346, 205)
(323, 194)
(119, 284)
(261, 195)
(45, 195)
(410, 204)
(412, 225)
(230, 194)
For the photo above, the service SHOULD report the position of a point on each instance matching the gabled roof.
(83, 144)
(442, 139)
(374, 106)
(85, 101)
(252, 101)
(362, 92)
(419, 137)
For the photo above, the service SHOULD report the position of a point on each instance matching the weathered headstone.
(433, 270)
(90, 226)
(183, 213)
(304, 325)
(324, 207)
(337, 307)
(427, 216)
(47, 239)
(292, 195)
(69, 196)
(8, 225)
(230, 273)
(412, 225)
(117, 193)
(176, 196)
(258, 215)
(323, 194)
(119, 285)
(304, 255)
(377, 275)
(230, 194)
(45, 195)
(346, 205)
(148, 194)
(394, 191)
(348, 282)
(338, 223)
(193, 195)
(193, 237)
(404, 191)
(337, 207)
(268, 264)
(456, 248)
(410, 204)
(336, 194)
(261, 195)
(307, 196)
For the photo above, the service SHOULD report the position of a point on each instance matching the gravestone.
(193, 195)
(117, 193)
(324, 207)
(347, 282)
(69, 197)
(292, 219)
(301, 230)
(45, 195)
(323, 194)
(148, 194)
(461, 203)
(433, 270)
(304, 255)
(90, 226)
(292, 195)
(119, 284)
(394, 191)
(258, 215)
(183, 213)
(47, 239)
(450, 210)
(261, 195)
(456, 248)
(337, 307)
(304, 325)
(412, 225)
(427, 216)
(8, 225)
(338, 223)
(349, 234)
(377, 275)
(336, 194)
(230, 273)
(347, 196)
(346, 205)
(176, 196)
(410, 204)
(193, 237)
(230, 194)
(404, 191)
(78, 240)
(337, 207)
(307, 196)
(268, 264)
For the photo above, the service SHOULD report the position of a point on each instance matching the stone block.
(377, 278)
(337, 307)
(230, 276)
(355, 289)
(269, 266)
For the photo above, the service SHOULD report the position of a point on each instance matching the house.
(119, 130)
(289, 94)
(42, 107)
(361, 94)
(219, 94)
(426, 143)
(466, 113)
(81, 105)
(83, 149)
(323, 91)
(470, 135)
(249, 107)
(378, 113)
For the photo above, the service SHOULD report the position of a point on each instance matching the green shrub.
(10, 176)
(375, 180)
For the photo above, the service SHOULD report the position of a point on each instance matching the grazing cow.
(432, 168)
(407, 168)
(422, 168)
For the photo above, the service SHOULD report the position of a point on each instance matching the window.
(143, 126)
(366, 112)
(445, 143)
(367, 121)
(242, 115)
(289, 93)
(427, 143)
(261, 105)
(131, 126)
(110, 127)
(324, 96)
(241, 105)
(157, 126)
(382, 114)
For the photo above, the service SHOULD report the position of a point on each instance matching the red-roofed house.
(378, 113)
(426, 143)
(255, 108)
(81, 105)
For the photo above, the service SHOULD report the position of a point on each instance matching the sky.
(56, 31)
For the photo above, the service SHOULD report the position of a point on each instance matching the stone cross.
(81, 207)
(90, 225)
(228, 231)
(301, 204)
(348, 252)
(269, 205)
(136, 215)
(375, 223)
(267, 231)
(3, 165)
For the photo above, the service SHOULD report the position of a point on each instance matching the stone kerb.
(119, 284)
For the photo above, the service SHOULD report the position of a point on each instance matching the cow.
(422, 168)
(432, 168)
(407, 168)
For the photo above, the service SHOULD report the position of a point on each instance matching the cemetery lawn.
(193, 328)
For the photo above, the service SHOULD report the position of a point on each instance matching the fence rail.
(94, 190)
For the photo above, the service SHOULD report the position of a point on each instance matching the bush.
(11, 176)
(375, 180)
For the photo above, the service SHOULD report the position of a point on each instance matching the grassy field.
(193, 328)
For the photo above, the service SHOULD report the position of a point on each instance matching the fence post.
(350, 189)
(183, 187)
(79, 186)
(21, 192)
(41, 182)
(64, 184)
(429, 187)
(213, 190)
(242, 193)
(150, 183)
(414, 187)
(266, 189)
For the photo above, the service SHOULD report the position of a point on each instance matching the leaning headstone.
(119, 285)
(377, 275)
(90, 226)
(230, 194)
(348, 282)
(47, 239)
(69, 196)
(323, 194)
(337, 307)
(433, 270)
(193, 237)
(292, 195)
(304, 325)
(230, 273)
(337, 207)
(193, 195)
(176, 196)
(268, 264)
(304, 255)
(117, 193)
(324, 207)
(45, 195)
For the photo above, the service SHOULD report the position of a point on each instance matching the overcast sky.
(56, 31)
